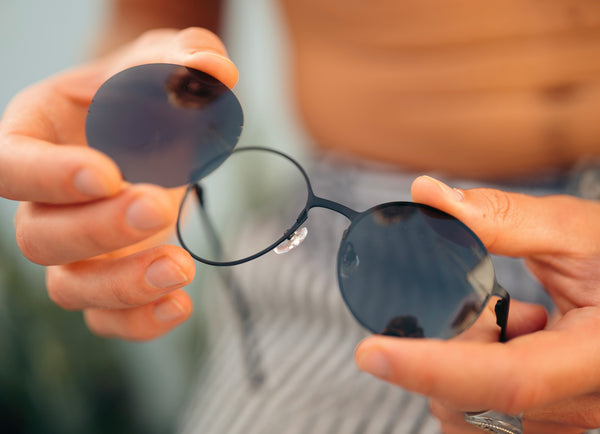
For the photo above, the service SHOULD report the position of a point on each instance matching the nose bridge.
(298, 235)
(319, 202)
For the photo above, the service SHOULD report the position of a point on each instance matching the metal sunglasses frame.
(314, 201)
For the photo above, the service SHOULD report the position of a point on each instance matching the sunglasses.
(403, 268)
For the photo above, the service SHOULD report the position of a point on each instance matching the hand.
(549, 373)
(99, 236)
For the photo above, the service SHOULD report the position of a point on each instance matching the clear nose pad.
(350, 261)
(292, 242)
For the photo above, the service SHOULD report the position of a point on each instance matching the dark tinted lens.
(248, 205)
(164, 124)
(410, 270)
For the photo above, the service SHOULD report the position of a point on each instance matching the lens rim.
(356, 310)
(303, 215)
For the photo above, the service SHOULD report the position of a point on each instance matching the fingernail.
(88, 183)
(373, 361)
(452, 193)
(206, 52)
(165, 273)
(169, 310)
(143, 215)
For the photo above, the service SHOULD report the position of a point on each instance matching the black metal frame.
(313, 201)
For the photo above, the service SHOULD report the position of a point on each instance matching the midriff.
(490, 89)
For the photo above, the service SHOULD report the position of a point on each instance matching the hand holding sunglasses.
(105, 249)
(404, 269)
(548, 371)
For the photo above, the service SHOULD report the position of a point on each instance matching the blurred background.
(55, 376)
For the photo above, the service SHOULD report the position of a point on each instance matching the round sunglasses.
(404, 269)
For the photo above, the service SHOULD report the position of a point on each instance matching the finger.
(581, 412)
(523, 318)
(116, 283)
(144, 322)
(95, 228)
(76, 174)
(32, 168)
(514, 224)
(527, 372)
(53, 112)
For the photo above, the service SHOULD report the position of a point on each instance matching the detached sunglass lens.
(410, 270)
(164, 124)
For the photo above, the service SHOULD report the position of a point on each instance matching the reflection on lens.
(421, 271)
(249, 203)
(404, 327)
(189, 88)
(349, 261)
(390, 215)
(164, 124)
(467, 311)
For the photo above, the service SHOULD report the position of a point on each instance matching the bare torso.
(485, 89)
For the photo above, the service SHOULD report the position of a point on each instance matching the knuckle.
(56, 291)
(112, 229)
(499, 208)
(520, 393)
(132, 292)
(500, 205)
(23, 242)
(28, 245)
(99, 242)
(124, 295)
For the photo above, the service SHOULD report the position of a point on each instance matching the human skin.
(550, 372)
(101, 239)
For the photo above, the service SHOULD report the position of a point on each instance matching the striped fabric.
(304, 335)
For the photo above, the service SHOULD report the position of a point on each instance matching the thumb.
(524, 318)
(193, 47)
(514, 224)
